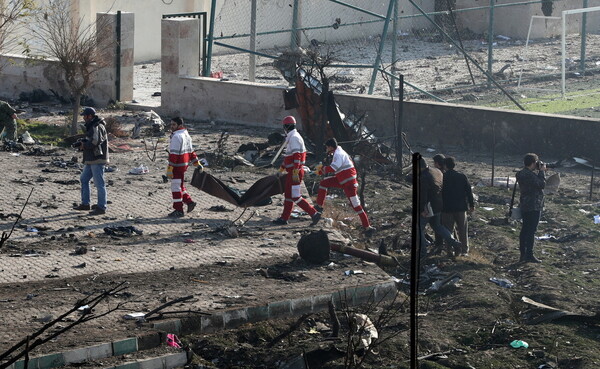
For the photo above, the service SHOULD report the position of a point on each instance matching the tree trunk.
(76, 106)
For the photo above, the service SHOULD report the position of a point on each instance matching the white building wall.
(513, 21)
(148, 14)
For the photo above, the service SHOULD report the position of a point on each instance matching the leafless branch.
(86, 315)
(80, 49)
(13, 14)
(5, 236)
(180, 299)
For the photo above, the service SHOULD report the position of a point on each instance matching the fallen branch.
(180, 299)
(289, 331)
(86, 316)
(5, 236)
(161, 315)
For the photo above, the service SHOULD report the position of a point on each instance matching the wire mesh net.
(423, 40)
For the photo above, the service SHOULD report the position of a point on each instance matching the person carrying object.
(8, 121)
(95, 156)
(532, 181)
(181, 155)
(345, 178)
(293, 165)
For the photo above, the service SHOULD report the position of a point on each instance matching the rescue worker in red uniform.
(345, 178)
(293, 164)
(181, 155)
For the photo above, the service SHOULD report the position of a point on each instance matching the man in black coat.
(458, 199)
(430, 206)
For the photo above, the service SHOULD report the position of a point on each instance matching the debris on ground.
(502, 282)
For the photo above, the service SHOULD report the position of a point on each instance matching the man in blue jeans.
(95, 156)
(531, 202)
(430, 207)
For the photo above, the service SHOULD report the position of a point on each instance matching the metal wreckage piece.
(307, 99)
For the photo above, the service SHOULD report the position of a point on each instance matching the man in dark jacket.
(531, 186)
(95, 156)
(458, 199)
(431, 199)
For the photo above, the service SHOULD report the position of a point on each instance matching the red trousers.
(293, 196)
(180, 195)
(351, 193)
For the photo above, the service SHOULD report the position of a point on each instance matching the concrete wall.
(185, 94)
(23, 75)
(471, 128)
(513, 21)
(426, 122)
(429, 123)
(107, 77)
(149, 15)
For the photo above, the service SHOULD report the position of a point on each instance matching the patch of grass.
(577, 101)
(45, 133)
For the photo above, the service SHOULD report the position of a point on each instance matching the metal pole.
(394, 37)
(493, 153)
(453, 18)
(211, 37)
(381, 45)
(490, 43)
(295, 35)
(399, 123)
(563, 49)
(414, 262)
(583, 39)
(118, 71)
(251, 56)
(203, 41)
(592, 183)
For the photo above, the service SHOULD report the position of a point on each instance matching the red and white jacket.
(295, 151)
(342, 166)
(181, 151)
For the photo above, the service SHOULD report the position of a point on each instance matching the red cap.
(288, 120)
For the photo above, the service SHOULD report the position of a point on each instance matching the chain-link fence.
(508, 45)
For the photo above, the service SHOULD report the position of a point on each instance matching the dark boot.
(523, 256)
(530, 258)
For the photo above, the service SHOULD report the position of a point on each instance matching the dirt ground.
(469, 324)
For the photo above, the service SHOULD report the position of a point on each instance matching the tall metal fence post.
(118, 71)
(394, 38)
(211, 37)
(399, 141)
(295, 38)
(583, 36)
(381, 45)
(252, 56)
(490, 43)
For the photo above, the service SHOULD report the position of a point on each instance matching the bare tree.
(11, 14)
(78, 50)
